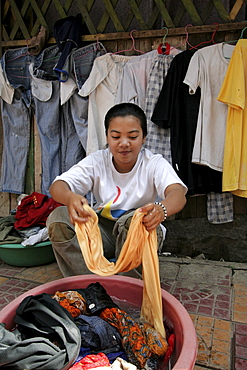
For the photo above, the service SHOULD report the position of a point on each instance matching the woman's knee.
(60, 232)
(59, 226)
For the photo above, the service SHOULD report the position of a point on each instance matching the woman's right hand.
(77, 212)
(60, 191)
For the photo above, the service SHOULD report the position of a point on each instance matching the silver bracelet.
(164, 209)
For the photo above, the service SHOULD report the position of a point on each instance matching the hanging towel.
(139, 247)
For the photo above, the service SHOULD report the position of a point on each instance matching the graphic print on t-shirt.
(112, 214)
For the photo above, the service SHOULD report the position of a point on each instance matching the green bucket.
(26, 256)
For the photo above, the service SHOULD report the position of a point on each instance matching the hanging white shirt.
(207, 70)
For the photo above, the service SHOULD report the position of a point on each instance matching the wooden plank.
(39, 15)
(172, 31)
(19, 19)
(208, 11)
(194, 16)
(43, 9)
(224, 27)
(86, 17)
(146, 45)
(4, 204)
(152, 19)
(164, 13)
(110, 10)
(105, 18)
(13, 201)
(89, 4)
(16, 25)
(67, 5)
(5, 36)
(221, 10)
(160, 8)
(5, 9)
(138, 14)
(60, 9)
(175, 41)
(131, 16)
(179, 15)
(235, 9)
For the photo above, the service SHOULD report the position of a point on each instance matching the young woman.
(122, 178)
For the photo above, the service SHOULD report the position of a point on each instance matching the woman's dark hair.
(126, 109)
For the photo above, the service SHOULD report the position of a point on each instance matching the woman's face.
(125, 139)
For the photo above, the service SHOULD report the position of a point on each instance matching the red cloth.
(91, 361)
(34, 210)
(164, 48)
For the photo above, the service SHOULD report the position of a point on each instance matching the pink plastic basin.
(130, 290)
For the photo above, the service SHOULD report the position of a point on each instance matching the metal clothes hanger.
(235, 41)
(132, 47)
(242, 33)
(186, 40)
(162, 48)
(240, 37)
(98, 46)
(203, 42)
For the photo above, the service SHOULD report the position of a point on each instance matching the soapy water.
(131, 309)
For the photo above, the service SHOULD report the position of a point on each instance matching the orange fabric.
(140, 247)
(72, 301)
(140, 341)
(133, 341)
(75, 312)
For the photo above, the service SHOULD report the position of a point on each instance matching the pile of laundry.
(26, 224)
(81, 329)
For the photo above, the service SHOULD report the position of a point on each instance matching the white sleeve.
(165, 175)
(79, 177)
(192, 75)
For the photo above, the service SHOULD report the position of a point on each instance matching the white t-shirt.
(207, 70)
(133, 83)
(101, 89)
(114, 192)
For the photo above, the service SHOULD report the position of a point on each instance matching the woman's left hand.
(154, 216)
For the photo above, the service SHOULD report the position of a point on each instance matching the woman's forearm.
(60, 192)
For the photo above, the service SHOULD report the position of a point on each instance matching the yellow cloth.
(140, 247)
(233, 93)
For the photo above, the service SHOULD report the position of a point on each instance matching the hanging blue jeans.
(16, 137)
(62, 129)
(54, 130)
(16, 120)
(82, 60)
(60, 145)
(73, 131)
(17, 117)
(75, 108)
